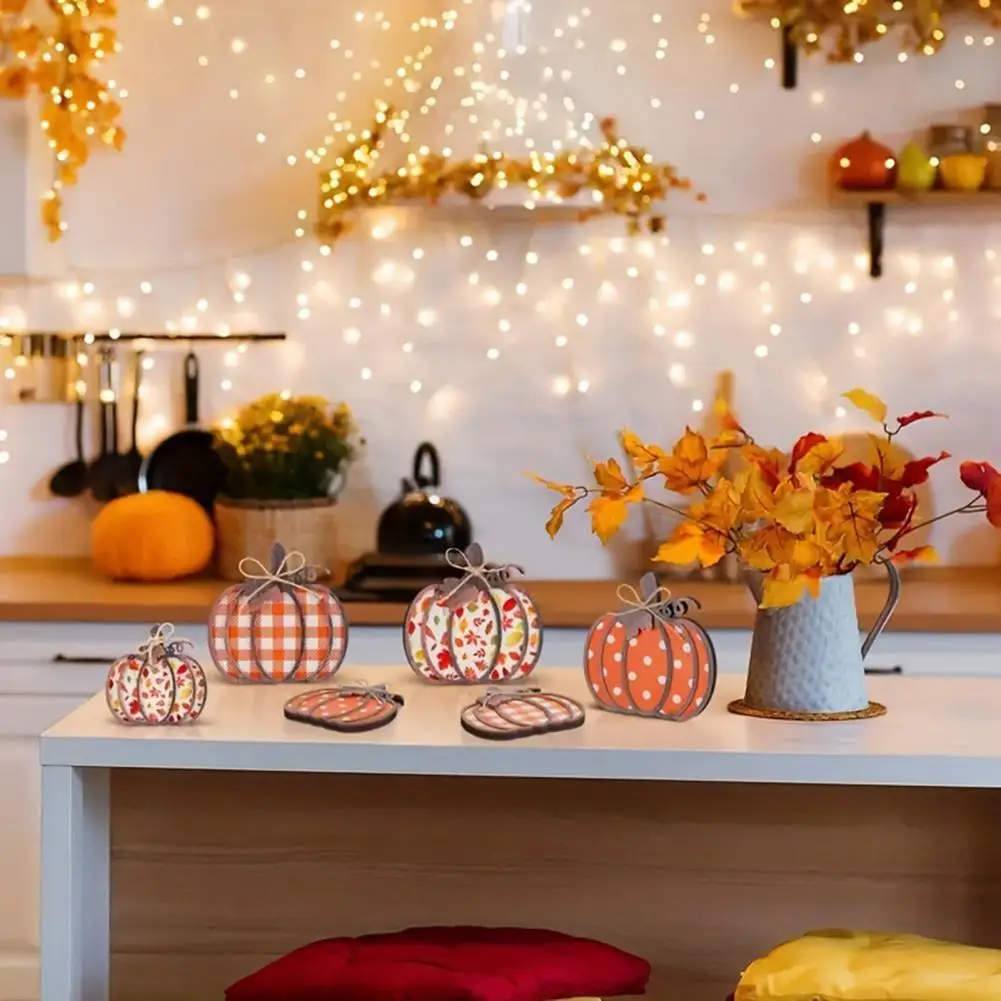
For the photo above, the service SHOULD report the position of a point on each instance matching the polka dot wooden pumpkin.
(160, 683)
(477, 628)
(278, 625)
(650, 659)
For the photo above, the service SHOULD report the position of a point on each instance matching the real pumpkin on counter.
(157, 536)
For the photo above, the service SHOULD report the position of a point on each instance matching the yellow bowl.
(963, 172)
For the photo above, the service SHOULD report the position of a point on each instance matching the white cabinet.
(33, 696)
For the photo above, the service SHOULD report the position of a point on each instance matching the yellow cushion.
(866, 966)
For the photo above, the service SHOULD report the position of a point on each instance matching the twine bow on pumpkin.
(493, 697)
(379, 692)
(651, 602)
(161, 637)
(477, 574)
(287, 570)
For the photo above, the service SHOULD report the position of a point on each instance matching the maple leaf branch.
(971, 507)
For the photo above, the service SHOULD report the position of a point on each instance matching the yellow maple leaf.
(555, 522)
(569, 496)
(720, 509)
(691, 465)
(872, 405)
(793, 508)
(782, 593)
(922, 554)
(644, 457)
(806, 555)
(690, 542)
(609, 476)
(768, 547)
(758, 497)
(609, 512)
(820, 459)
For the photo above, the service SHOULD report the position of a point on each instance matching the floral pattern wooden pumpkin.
(477, 628)
(279, 624)
(651, 659)
(160, 683)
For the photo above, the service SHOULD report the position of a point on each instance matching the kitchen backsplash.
(515, 347)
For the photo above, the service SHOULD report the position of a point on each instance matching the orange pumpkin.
(650, 659)
(157, 536)
(864, 165)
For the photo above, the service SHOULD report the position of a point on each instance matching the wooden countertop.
(938, 600)
(939, 732)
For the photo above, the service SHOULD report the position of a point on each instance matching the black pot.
(421, 522)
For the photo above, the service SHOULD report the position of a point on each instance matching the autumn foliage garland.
(59, 60)
(795, 518)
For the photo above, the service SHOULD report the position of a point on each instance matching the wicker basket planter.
(251, 527)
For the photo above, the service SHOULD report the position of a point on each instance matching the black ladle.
(131, 462)
(103, 471)
(71, 479)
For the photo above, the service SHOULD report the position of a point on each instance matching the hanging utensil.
(72, 478)
(187, 462)
(104, 468)
(130, 463)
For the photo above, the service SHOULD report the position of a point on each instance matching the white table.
(940, 734)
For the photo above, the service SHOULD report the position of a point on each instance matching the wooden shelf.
(875, 203)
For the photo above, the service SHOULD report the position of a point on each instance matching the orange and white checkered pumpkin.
(278, 625)
(650, 659)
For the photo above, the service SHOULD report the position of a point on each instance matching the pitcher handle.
(892, 600)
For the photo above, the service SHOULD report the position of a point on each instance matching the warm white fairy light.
(574, 297)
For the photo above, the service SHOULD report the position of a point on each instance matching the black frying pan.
(186, 462)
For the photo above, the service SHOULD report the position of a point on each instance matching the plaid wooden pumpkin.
(278, 625)
(160, 683)
(474, 629)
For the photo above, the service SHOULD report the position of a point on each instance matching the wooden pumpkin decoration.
(473, 629)
(156, 536)
(650, 659)
(863, 165)
(279, 624)
(160, 683)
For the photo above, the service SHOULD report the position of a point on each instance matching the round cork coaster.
(740, 708)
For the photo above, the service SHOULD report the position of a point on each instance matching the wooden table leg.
(75, 944)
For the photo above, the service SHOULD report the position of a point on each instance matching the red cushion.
(448, 964)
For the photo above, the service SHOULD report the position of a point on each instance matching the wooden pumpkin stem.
(277, 557)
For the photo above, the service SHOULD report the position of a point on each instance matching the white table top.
(939, 732)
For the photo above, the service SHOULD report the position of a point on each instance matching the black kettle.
(421, 522)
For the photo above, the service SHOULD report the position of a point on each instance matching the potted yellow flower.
(799, 524)
(286, 459)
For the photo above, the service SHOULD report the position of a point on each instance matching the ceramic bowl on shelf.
(963, 172)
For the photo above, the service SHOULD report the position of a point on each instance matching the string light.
(519, 293)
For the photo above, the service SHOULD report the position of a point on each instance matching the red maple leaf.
(916, 471)
(994, 502)
(978, 476)
(800, 449)
(919, 415)
(860, 475)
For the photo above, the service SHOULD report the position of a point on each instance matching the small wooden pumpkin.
(157, 536)
(279, 624)
(160, 683)
(863, 165)
(473, 629)
(651, 660)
